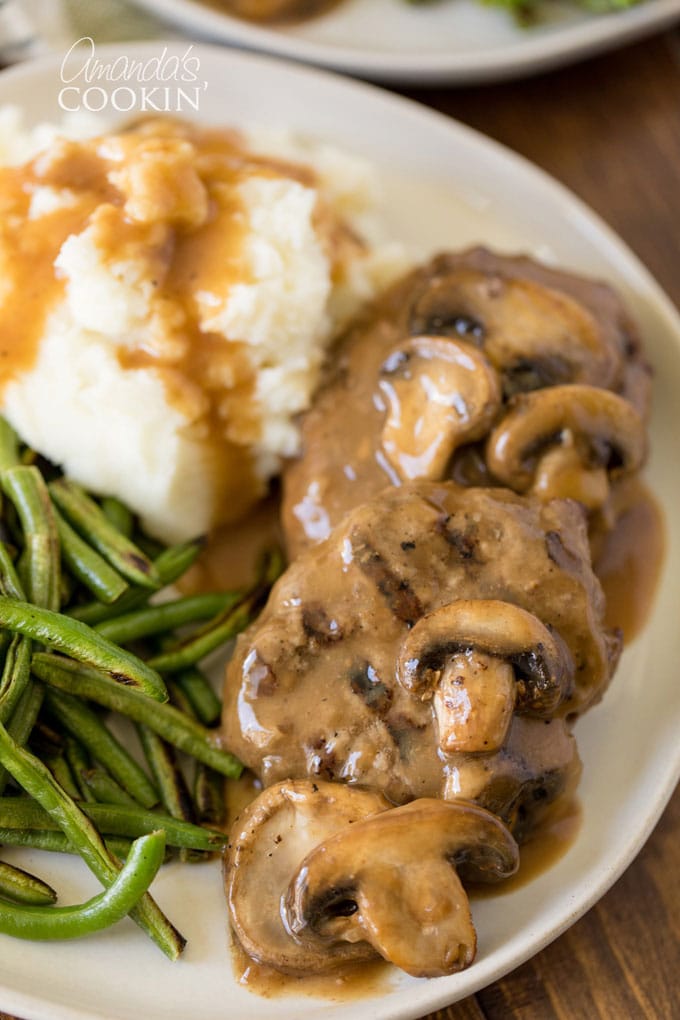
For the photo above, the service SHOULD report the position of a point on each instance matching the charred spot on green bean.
(83, 642)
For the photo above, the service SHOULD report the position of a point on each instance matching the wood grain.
(610, 130)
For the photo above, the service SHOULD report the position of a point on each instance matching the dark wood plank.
(610, 130)
(468, 1009)
(622, 960)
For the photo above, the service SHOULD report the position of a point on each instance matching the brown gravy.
(360, 981)
(352, 981)
(343, 984)
(554, 837)
(232, 552)
(238, 794)
(630, 560)
(163, 195)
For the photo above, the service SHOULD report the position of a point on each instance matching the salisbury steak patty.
(429, 379)
(426, 648)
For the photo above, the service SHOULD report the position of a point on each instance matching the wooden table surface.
(610, 130)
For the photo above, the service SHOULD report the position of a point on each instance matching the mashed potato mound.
(167, 295)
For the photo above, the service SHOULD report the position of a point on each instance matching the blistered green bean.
(26, 488)
(36, 779)
(61, 770)
(195, 648)
(9, 446)
(209, 795)
(90, 520)
(166, 616)
(118, 514)
(73, 638)
(165, 720)
(112, 820)
(85, 563)
(22, 887)
(105, 789)
(9, 579)
(79, 762)
(169, 779)
(170, 565)
(41, 923)
(178, 698)
(16, 673)
(198, 691)
(56, 842)
(225, 627)
(23, 720)
(87, 727)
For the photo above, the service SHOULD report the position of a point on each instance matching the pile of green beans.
(84, 643)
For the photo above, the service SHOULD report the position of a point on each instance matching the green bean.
(165, 720)
(170, 781)
(166, 616)
(45, 740)
(209, 795)
(73, 638)
(92, 733)
(56, 842)
(79, 762)
(175, 795)
(170, 565)
(67, 588)
(195, 648)
(26, 488)
(118, 514)
(199, 693)
(106, 908)
(37, 780)
(87, 565)
(25, 714)
(149, 546)
(223, 628)
(9, 446)
(9, 579)
(105, 789)
(91, 521)
(23, 720)
(178, 698)
(61, 770)
(22, 887)
(5, 641)
(16, 673)
(112, 820)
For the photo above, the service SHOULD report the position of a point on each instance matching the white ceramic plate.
(453, 188)
(454, 41)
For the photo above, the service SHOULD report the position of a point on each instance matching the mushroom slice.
(391, 881)
(566, 442)
(535, 333)
(267, 843)
(439, 393)
(480, 659)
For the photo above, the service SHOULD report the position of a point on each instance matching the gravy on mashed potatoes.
(166, 297)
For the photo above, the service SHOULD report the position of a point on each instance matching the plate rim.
(530, 55)
(558, 193)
